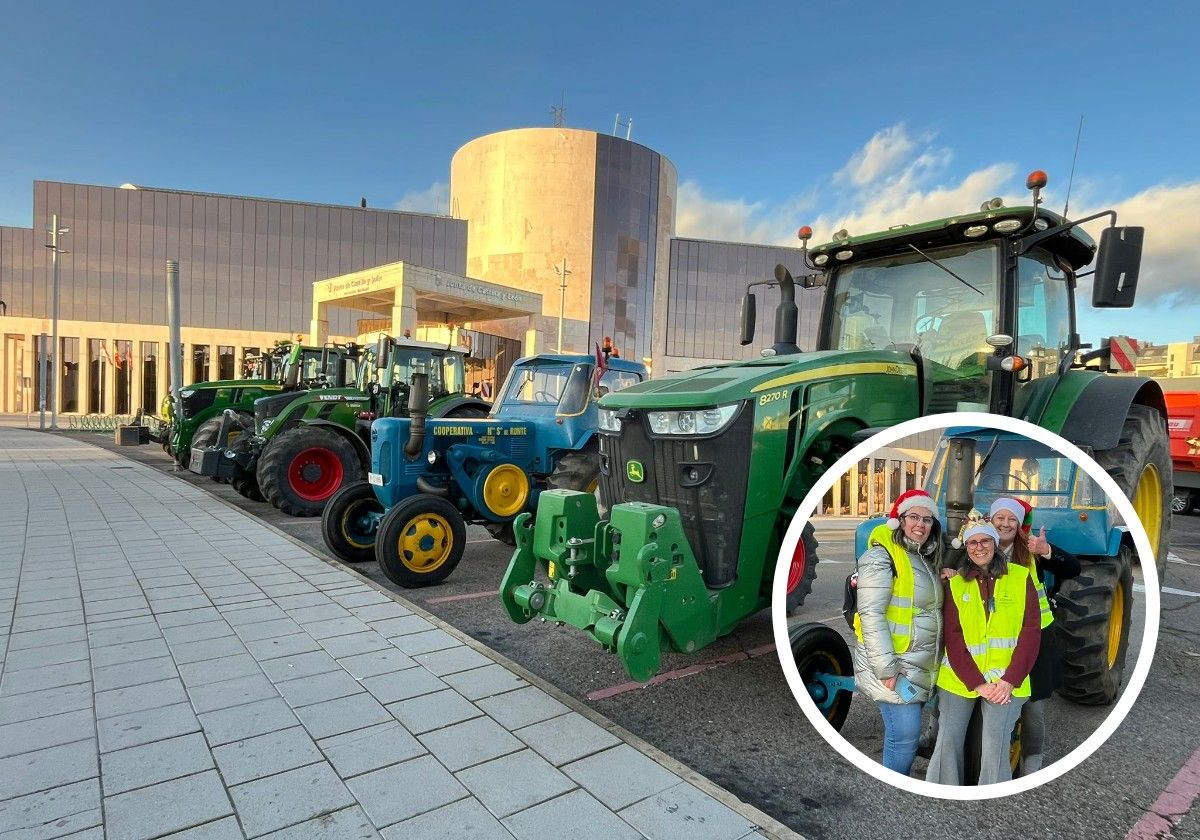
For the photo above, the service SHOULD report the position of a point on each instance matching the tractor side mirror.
(383, 352)
(1117, 267)
(749, 316)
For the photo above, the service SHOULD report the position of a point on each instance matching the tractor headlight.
(1008, 226)
(704, 421)
(609, 421)
(266, 424)
(432, 457)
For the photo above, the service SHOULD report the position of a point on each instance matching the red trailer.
(1183, 418)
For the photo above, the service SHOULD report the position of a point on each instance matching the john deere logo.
(635, 471)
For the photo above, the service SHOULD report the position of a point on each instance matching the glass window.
(225, 362)
(150, 377)
(618, 380)
(561, 383)
(97, 372)
(252, 363)
(200, 357)
(123, 376)
(1043, 313)
(69, 371)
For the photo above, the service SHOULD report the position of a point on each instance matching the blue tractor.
(430, 477)
(970, 469)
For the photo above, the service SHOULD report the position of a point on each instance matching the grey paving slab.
(40, 657)
(514, 782)
(345, 714)
(404, 790)
(403, 685)
(102, 636)
(254, 615)
(264, 755)
(135, 728)
(362, 750)
(235, 692)
(216, 670)
(347, 824)
(334, 627)
(183, 617)
(185, 603)
(380, 612)
(426, 642)
(280, 646)
(58, 605)
(469, 743)
(51, 636)
(307, 599)
(400, 625)
(53, 813)
(49, 731)
(300, 665)
(289, 798)
(621, 776)
(566, 738)
(319, 687)
(361, 599)
(588, 820)
(267, 629)
(169, 806)
(246, 721)
(129, 652)
(464, 818)
(48, 768)
(433, 711)
(42, 622)
(200, 650)
(134, 673)
(51, 701)
(154, 695)
(226, 828)
(384, 661)
(452, 660)
(155, 762)
(99, 609)
(187, 633)
(484, 682)
(675, 813)
(353, 644)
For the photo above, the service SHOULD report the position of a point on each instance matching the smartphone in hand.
(907, 691)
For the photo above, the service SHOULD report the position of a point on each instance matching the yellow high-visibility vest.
(899, 611)
(991, 640)
(1043, 601)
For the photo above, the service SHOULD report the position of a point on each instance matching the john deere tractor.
(429, 478)
(704, 470)
(300, 447)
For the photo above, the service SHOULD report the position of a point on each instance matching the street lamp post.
(563, 273)
(55, 233)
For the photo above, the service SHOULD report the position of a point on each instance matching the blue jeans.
(901, 731)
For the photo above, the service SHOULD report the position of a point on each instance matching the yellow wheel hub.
(425, 542)
(1148, 504)
(1116, 624)
(506, 490)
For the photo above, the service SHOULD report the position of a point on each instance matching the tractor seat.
(960, 337)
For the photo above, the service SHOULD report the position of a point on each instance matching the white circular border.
(1128, 695)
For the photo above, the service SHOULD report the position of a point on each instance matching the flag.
(601, 364)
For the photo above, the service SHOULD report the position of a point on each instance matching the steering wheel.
(544, 397)
(989, 479)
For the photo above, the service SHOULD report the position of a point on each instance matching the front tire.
(247, 487)
(1094, 611)
(420, 541)
(350, 521)
(303, 467)
(819, 649)
(803, 569)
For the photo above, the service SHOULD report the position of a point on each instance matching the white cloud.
(436, 199)
(878, 158)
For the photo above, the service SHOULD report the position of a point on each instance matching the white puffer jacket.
(875, 658)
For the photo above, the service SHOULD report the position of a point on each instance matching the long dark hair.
(932, 548)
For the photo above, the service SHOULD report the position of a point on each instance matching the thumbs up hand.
(1039, 546)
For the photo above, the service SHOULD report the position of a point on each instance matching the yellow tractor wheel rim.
(1147, 503)
(425, 543)
(1116, 624)
(506, 490)
(347, 516)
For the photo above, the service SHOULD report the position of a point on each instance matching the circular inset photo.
(984, 610)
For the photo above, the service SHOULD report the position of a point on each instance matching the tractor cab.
(387, 370)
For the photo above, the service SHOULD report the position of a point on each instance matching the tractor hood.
(719, 384)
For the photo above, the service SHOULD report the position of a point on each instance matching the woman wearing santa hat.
(1013, 521)
(898, 623)
(992, 631)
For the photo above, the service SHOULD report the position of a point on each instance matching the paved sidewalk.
(170, 666)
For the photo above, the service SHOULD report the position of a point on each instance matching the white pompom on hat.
(906, 502)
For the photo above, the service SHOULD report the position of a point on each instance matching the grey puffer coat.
(875, 658)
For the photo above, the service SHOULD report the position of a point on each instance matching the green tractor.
(704, 470)
(202, 404)
(301, 447)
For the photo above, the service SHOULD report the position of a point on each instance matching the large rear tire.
(302, 468)
(819, 649)
(1140, 463)
(576, 471)
(803, 569)
(1094, 611)
(350, 521)
(420, 541)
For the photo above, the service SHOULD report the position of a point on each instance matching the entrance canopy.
(409, 294)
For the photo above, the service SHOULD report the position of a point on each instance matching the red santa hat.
(906, 502)
(1017, 507)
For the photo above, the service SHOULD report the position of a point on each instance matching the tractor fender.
(443, 408)
(364, 452)
(1098, 413)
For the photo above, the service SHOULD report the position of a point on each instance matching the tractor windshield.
(445, 370)
(907, 303)
(563, 384)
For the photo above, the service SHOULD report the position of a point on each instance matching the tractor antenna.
(559, 111)
(1074, 157)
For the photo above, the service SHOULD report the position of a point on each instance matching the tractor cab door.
(1043, 325)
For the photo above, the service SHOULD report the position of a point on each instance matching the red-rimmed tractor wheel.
(302, 468)
(803, 569)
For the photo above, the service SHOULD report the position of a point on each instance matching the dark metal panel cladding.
(712, 511)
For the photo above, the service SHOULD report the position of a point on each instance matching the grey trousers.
(954, 715)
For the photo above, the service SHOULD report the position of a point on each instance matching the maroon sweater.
(1027, 642)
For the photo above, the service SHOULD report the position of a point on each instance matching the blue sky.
(775, 115)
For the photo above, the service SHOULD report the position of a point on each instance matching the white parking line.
(1170, 590)
(1175, 558)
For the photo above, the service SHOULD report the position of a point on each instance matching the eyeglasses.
(914, 518)
(981, 543)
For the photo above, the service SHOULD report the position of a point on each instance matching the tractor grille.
(197, 401)
(704, 479)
